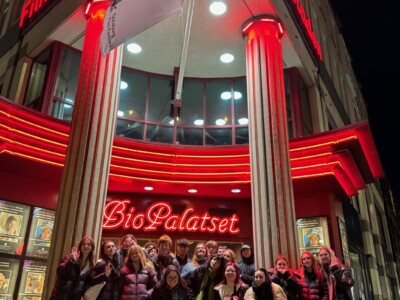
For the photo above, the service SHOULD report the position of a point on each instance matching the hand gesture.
(74, 253)
(107, 270)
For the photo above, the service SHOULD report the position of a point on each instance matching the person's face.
(230, 273)
(163, 248)
(134, 255)
(259, 277)
(211, 250)
(307, 261)
(109, 249)
(215, 264)
(182, 250)
(246, 253)
(11, 225)
(227, 257)
(324, 257)
(314, 240)
(201, 251)
(153, 252)
(281, 266)
(28, 280)
(46, 233)
(172, 279)
(221, 251)
(86, 247)
(128, 242)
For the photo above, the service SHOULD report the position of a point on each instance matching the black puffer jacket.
(289, 282)
(70, 284)
(111, 289)
(180, 292)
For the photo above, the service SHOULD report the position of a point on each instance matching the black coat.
(162, 292)
(111, 290)
(70, 284)
(289, 282)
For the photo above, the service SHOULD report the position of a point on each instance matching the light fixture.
(134, 48)
(243, 121)
(237, 95)
(192, 191)
(171, 122)
(227, 58)
(226, 95)
(120, 113)
(220, 122)
(217, 8)
(123, 85)
(198, 122)
(235, 191)
(148, 188)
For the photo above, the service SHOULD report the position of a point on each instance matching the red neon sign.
(307, 27)
(31, 9)
(118, 214)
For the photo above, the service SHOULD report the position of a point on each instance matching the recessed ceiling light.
(243, 121)
(226, 95)
(134, 48)
(198, 122)
(237, 95)
(120, 113)
(217, 8)
(227, 58)
(220, 122)
(123, 85)
(192, 191)
(235, 191)
(148, 188)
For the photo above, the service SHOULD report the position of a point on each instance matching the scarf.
(263, 291)
(207, 285)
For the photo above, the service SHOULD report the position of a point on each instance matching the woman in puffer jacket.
(172, 286)
(312, 280)
(138, 276)
(73, 271)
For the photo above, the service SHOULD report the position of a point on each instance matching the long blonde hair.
(144, 262)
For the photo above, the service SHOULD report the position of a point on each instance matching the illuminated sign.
(307, 27)
(159, 215)
(31, 9)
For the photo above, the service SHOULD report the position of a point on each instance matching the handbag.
(93, 291)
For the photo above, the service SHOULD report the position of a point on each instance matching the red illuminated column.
(84, 183)
(272, 193)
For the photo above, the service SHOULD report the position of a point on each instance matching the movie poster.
(343, 238)
(8, 277)
(312, 234)
(41, 232)
(13, 225)
(32, 280)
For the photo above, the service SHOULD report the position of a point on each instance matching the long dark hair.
(90, 257)
(220, 272)
(237, 270)
(169, 269)
(263, 291)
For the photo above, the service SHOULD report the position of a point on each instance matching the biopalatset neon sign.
(307, 28)
(159, 215)
(30, 9)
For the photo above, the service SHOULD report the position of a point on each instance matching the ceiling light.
(199, 122)
(220, 122)
(123, 85)
(217, 8)
(226, 95)
(171, 122)
(235, 191)
(237, 95)
(148, 188)
(243, 121)
(120, 113)
(227, 58)
(134, 48)
(192, 191)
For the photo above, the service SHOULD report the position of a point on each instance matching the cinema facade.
(272, 150)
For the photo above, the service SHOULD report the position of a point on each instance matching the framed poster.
(13, 225)
(40, 232)
(32, 280)
(343, 239)
(312, 234)
(8, 277)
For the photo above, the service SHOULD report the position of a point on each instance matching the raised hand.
(107, 270)
(75, 253)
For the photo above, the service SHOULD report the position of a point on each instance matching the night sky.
(370, 30)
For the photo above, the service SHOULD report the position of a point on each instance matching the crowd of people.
(131, 271)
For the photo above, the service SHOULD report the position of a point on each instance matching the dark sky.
(370, 31)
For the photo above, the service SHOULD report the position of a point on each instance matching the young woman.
(172, 286)
(231, 286)
(138, 276)
(199, 258)
(286, 278)
(312, 280)
(263, 288)
(203, 279)
(107, 270)
(339, 279)
(73, 271)
(229, 256)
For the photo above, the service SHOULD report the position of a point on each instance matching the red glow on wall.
(159, 215)
(307, 28)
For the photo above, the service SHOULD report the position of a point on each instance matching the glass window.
(305, 109)
(192, 108)
(219, 136)
(241, 135)
(9, 274)
(133, 93)
(4, 9)
(161, 95)
(158, 133)
(190, 136)
(218, 103)
(130, 129)
(240, 102)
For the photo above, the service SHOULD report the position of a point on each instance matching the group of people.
(154, 272)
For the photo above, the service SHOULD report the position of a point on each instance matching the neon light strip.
(353, 137)
(32, 147)
(314, 175)
(337, 163)
(32, 158)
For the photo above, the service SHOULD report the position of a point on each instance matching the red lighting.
(118, 214)
(246, 27)
(30, 9)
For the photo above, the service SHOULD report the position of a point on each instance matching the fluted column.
(272, 193)
(84, 183)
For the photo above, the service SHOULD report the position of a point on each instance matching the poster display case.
(312, 234)
(40, 232)
(32, 280)
(8, 277)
